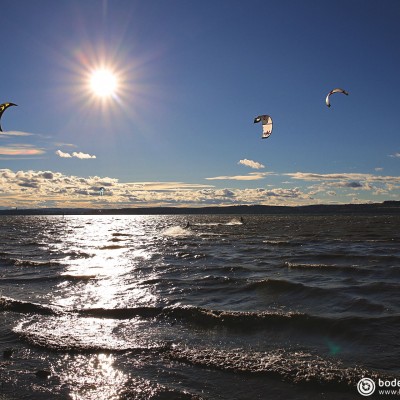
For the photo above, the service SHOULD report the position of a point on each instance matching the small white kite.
(337, 90)
(266, 125)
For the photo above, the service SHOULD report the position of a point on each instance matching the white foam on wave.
(177, 231)
(235, 221)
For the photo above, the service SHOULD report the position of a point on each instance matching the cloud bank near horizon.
(35, 189)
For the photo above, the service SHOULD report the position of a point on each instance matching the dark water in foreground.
(136, 307)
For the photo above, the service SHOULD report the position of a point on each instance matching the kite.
(101, 191)
(266, 125)
(334, 91)
(3, 107)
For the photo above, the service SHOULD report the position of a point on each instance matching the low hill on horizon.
(387, 207)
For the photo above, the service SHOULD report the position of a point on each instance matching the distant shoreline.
(387, 207)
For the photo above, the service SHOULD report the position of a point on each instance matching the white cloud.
(252, 176)
(79, 155)
(15, 133)
(165, 186)
(59, 144)
(21, 150)
(62, 154)
(378, 187)
(395, 155)
(251, 164)
(307, 176)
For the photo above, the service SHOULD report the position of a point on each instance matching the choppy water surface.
(138, 307)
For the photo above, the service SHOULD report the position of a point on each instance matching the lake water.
(140, 307)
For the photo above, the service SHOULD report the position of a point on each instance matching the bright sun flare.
(103, 83)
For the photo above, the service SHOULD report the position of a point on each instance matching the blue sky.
(192, 75)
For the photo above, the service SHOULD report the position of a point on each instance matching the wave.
(208, 223)
(348, 294)
(13, 260)
(119, 234)
(284, 286)
(187, 255)
(177, 231)
(8, 304)
(34, 263)
(362, 256)
(53, 278)
(295, 367)
(19, 262)
(235, 221)
(77, 254)
(282, 242)
(116, 240)
(112, 247)
(243, 321)
(139, 388)
(29, 243)
(121, 313)
(73, 334)
(203, 316)
(325, 267)
(237, 320)
(376, 287)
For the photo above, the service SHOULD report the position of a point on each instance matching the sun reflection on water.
(106, 263)
(105, 256)
(93, 377)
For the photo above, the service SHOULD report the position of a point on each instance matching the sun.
(103, 83)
